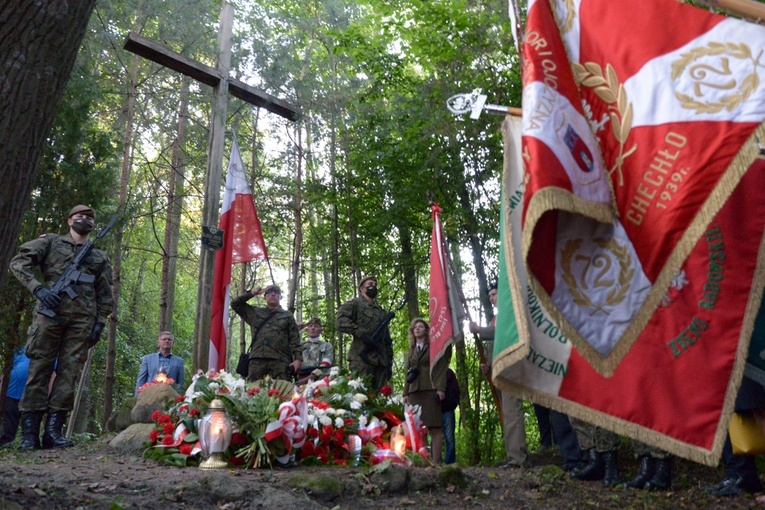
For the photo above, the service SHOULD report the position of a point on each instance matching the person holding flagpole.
(514, 430)
(423, 387)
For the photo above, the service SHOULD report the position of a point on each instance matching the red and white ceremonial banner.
(242, 242)
(631, 148)
(443, 315)
(642, 228)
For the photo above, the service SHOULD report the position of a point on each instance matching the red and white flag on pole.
(242, 242)
(443, 314)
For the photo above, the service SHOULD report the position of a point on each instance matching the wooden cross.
(219, 79)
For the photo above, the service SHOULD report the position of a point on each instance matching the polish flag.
(242, 242)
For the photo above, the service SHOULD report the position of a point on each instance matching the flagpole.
(746, 8)
(476, 339)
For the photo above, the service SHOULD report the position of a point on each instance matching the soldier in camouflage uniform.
(275, 338)
(655, 468)
(360, 317)
(66, 337)
(318, 355)
(600, 447)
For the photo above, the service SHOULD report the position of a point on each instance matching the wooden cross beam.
(223, 85)
(207, 75)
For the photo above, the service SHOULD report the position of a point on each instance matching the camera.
(412, 374)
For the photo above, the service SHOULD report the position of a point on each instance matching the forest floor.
(93, 475)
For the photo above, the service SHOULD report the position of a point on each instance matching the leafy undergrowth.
(94, 476)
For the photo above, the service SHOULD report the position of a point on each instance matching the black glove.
(46, 297)
(95, 334)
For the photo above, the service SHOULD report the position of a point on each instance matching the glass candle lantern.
(215, 435)
(398, 441)
(161, 375)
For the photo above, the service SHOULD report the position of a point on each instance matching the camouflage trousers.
(591, 436)
(261, 367)
(640, 449)
(63, 339)
(378, 373)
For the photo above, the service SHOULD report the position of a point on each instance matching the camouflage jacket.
(360, 318)
(277, 339)
(52, 254)
(314, 352)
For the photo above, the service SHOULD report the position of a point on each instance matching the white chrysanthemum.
(333, 382)
(362, 420)
(354, 383)
(334, 371)
(340, 412)
(339, 422)
(325, 420)
(329, 410)
(360, 398)
(355, 405)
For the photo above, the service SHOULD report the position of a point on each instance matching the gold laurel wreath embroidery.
(610, 91)
(617, 293)
(747, 85)
(568, 23)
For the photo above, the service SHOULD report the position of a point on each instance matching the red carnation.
(179, 398)
(236, 461)
(253, 391)
(194, 412)
(386, 390)
(307, 450)
(185, 449)
(155, 415)
(168, 440)
(153, 436)
(168, 428)
(313, 432)
(239, 439)
(164, 418)
(348, 422)
(273, 391)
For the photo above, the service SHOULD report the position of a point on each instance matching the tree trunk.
(111, 349)
(38, 47)
(174, 210)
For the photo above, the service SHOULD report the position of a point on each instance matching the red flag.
(443, 316)
(242, 242)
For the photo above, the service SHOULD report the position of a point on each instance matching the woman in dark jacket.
(420, 389)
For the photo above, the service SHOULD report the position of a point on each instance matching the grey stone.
(131, 439)
(154, 398)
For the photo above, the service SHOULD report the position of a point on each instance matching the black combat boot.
(610, 468)
(647, 469)
(30, 430)
(662, 477)
(52, 438)
(592, 469)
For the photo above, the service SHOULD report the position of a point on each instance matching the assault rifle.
(72, 275)
(375, 342)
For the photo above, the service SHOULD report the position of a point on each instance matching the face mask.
(82, 227)
(371, 292)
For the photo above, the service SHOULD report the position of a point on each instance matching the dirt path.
(94, 476)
